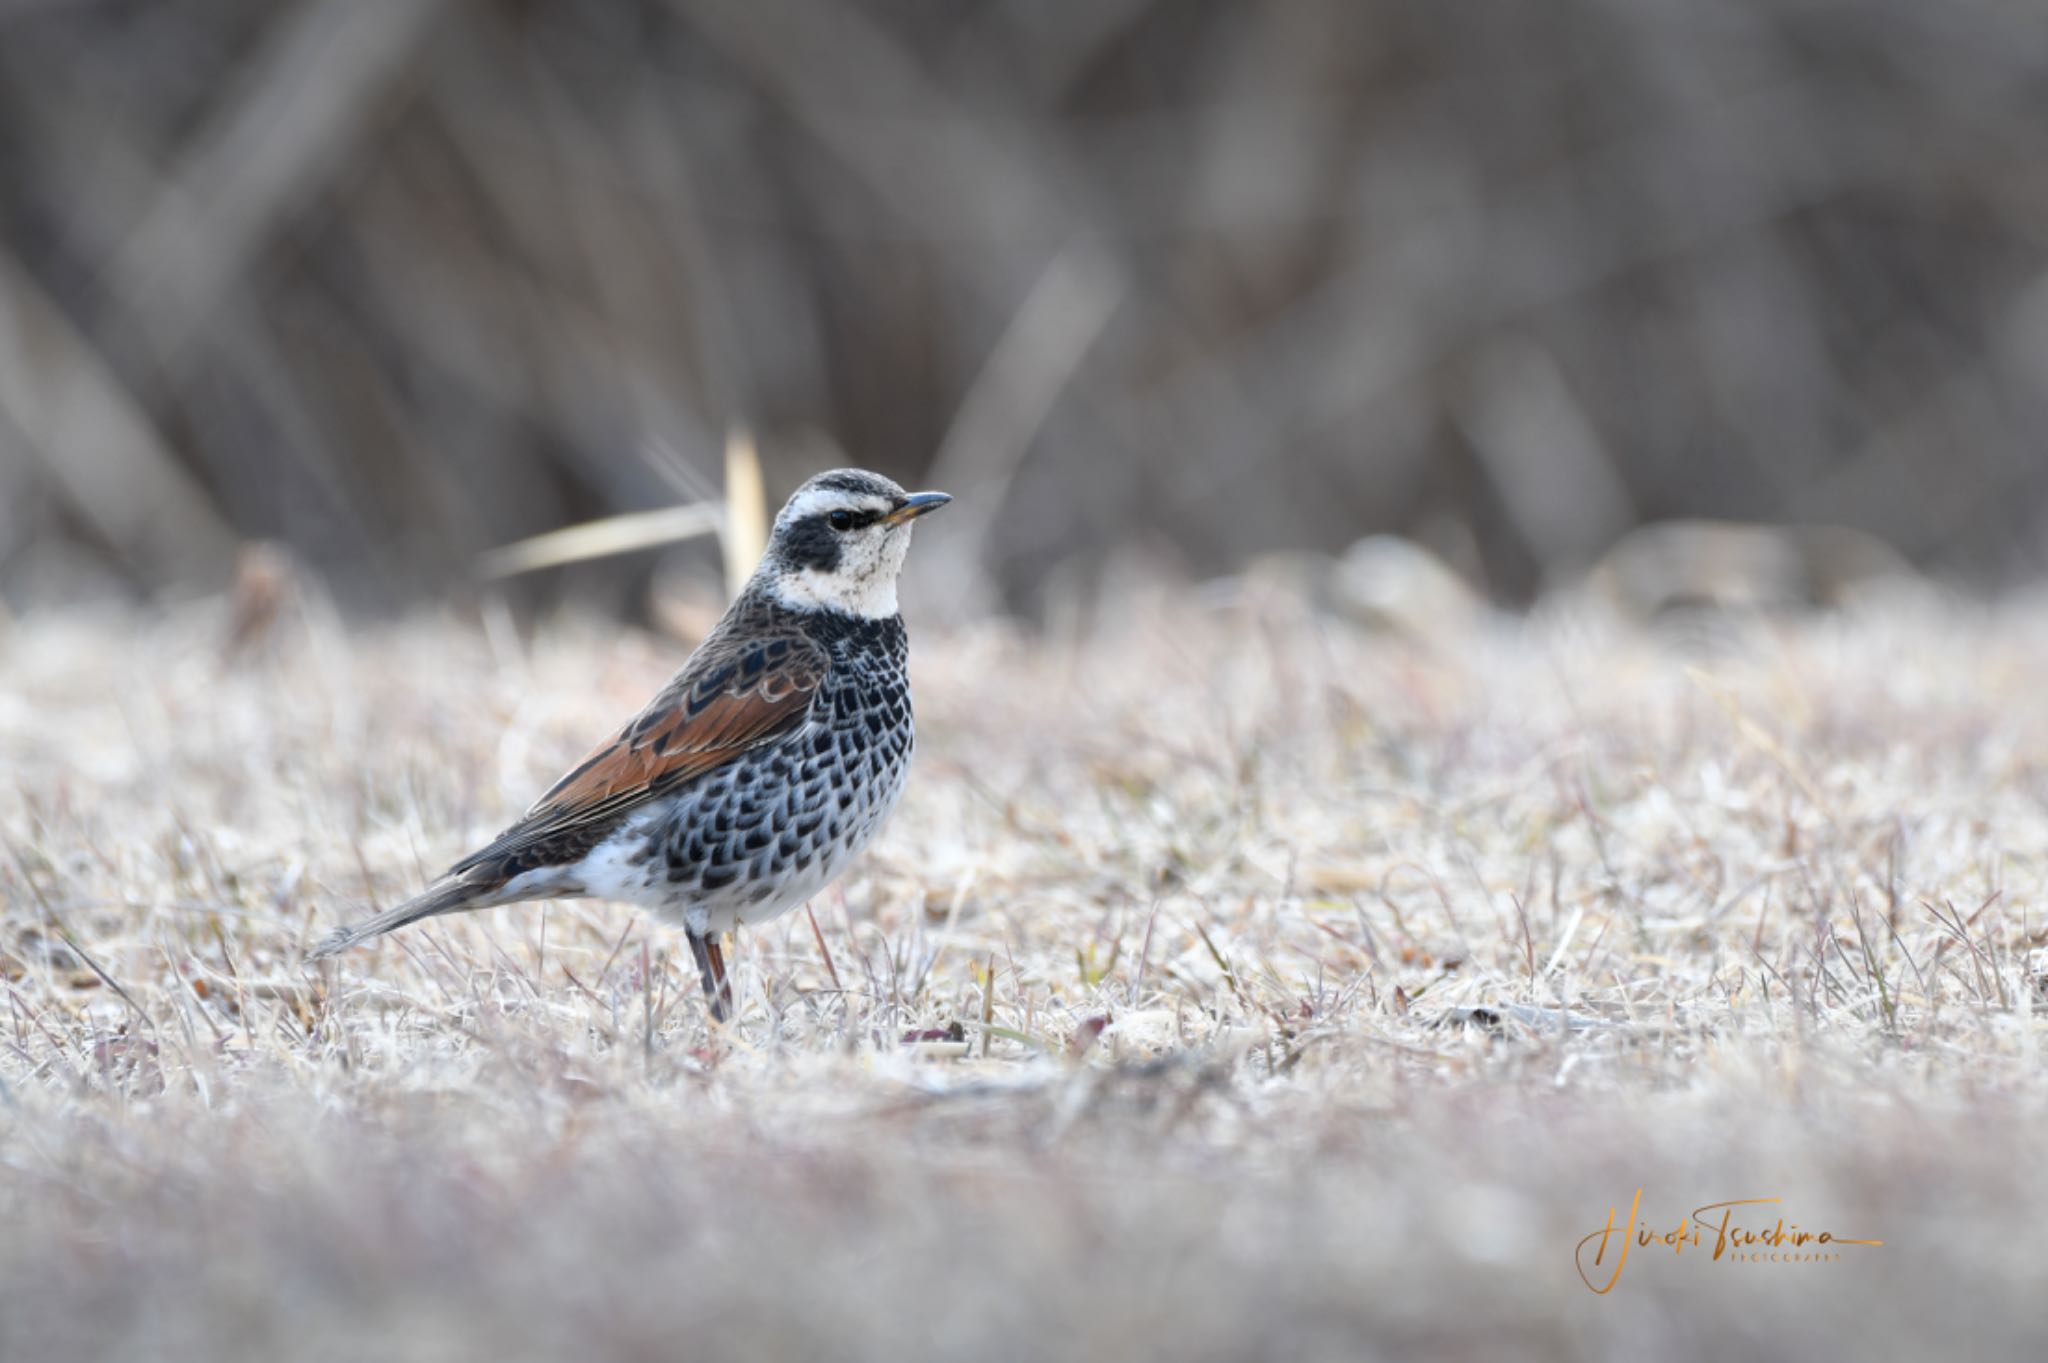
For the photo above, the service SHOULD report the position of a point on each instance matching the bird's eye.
(840, 520)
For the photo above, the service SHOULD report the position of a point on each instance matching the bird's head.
(839, 543)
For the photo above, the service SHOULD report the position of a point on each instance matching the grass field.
(1272, 990)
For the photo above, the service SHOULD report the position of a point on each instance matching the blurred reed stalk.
(740, 521)
(392, 285)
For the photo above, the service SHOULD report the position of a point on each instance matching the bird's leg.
(711, 967)
(721, 1001)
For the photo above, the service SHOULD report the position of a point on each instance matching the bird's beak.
(915, 505)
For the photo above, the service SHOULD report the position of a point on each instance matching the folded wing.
(734, 695)
(731, 698)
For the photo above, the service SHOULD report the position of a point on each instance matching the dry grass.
(1789, 891)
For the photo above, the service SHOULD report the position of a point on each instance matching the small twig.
(646, 1007)
(1144, 954)
(1229, 975)
(988, 1002)
(831, 968)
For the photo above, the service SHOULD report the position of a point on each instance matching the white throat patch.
(872, 597)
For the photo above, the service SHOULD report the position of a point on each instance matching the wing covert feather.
(733, 696)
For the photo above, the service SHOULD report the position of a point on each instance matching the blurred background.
(391, 285)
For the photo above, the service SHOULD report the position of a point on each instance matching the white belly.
(632, 867)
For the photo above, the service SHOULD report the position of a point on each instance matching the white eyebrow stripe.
(810, 503)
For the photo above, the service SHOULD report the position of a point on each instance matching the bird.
(763, 769)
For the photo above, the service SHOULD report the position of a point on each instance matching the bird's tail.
(450, 896)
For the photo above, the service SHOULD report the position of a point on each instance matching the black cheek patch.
(811, 543)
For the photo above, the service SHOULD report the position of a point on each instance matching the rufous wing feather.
(732, 697)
